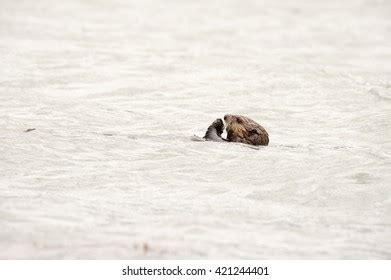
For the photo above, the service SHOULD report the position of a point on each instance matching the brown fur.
(245, 130)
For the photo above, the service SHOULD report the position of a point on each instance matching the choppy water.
(115, 90)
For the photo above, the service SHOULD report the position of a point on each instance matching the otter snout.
(228, 119)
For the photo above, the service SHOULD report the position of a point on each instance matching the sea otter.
(214, 131)
(245, 130)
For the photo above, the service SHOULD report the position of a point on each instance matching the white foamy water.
(116, 89)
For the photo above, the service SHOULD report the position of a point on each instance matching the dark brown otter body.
(245, 130)
(214, 131)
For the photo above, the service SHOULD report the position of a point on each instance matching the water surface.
(116, 89)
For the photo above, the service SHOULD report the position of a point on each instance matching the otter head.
(229, 119)
(218, 124)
